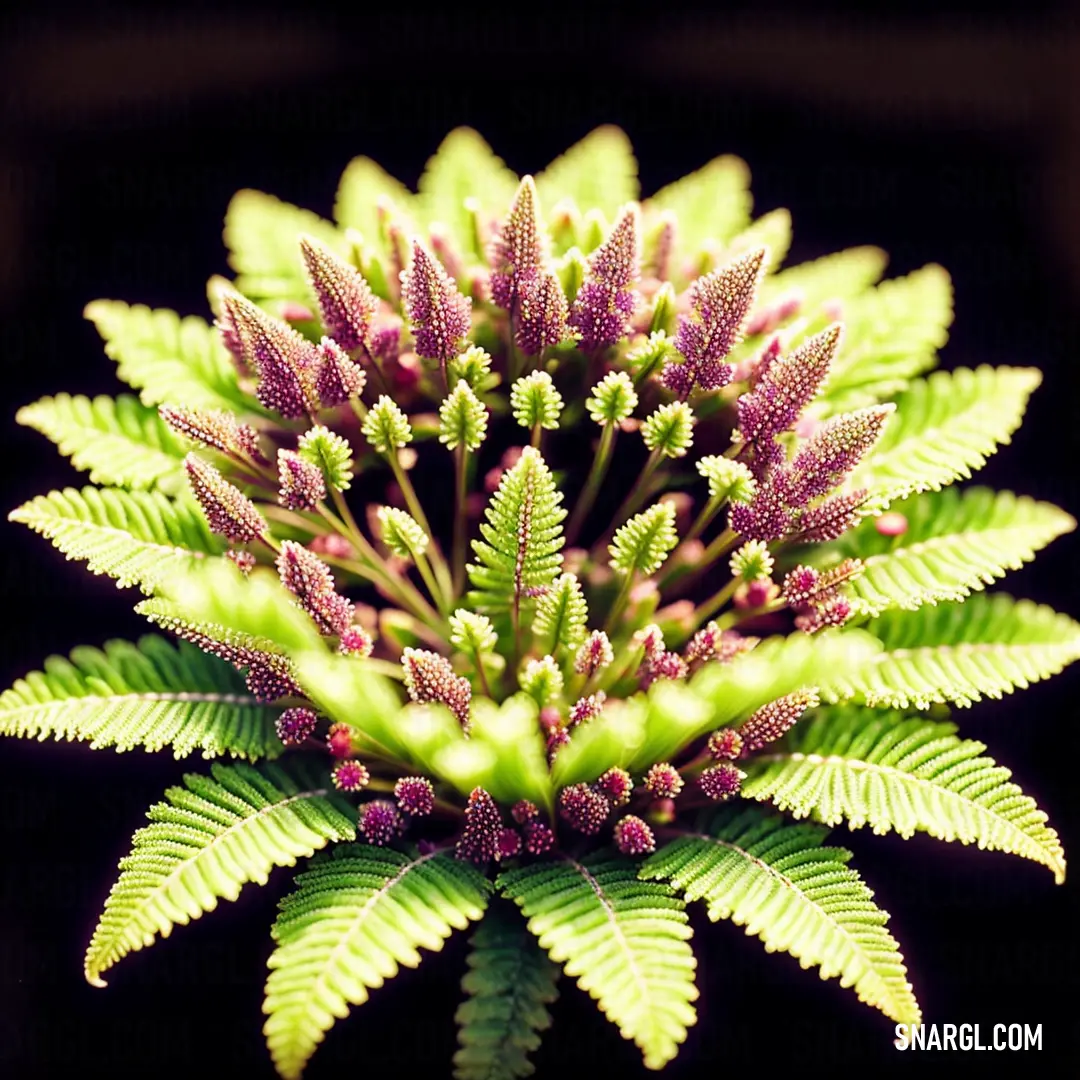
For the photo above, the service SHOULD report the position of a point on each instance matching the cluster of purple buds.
(430, 679)
(720, 782)
(725, 744)
(415, 795)
(302, 484)
(295, 726)
(350, 775)
(607, 299)
(815, 595)
(657, 662)
(663, 781)
(339, 740)
(479, 841)
(356, 641)
(633, 836)
(769, 722)
(380, 822)
(309, 579)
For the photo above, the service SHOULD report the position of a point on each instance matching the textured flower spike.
(380, 822)
(670, 429)
(663, 781)
(633, 836)
(227, 509)
(704, 645)
(585, 709)
(719, 305)
(285, 361)
(350, 776)
(543, 315)
(429, 678)
(787, 386)
(463, 419)
(616, 786)
(479, 841)
(583, 808)
(595, 653)
(308, 578)
(216, 429)
(516, 251)
(772, 720)
(662, 665)
(613, 399)
(507, 844)
(339, 741)
(244, 561)
(301, 484)
(438, 314)
(725, 744)
(415, 795)
(356, 641)
(338, 378)
(386, 427)
(535, 402)
(830, 519)
(834, 450)
(295, 726)
(539, 839)
(769, 515)
(606, 300)
(346, 302)
(720, 782)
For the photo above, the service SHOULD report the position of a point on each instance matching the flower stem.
(715, 602)
(620, 603)
(592, 484)
(633, 500)
(442, 571)
(460, 518)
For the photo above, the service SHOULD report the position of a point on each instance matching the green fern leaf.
(771, 230)
(636, 732)
(464, 167)
(363, 184)
(562, 615)
(626, 942)
(522, 537)
(150, 694)
(712, 203)
(786, 887)
(262, 234)
(891, 334)
(956, 542)
(118, 440)
(597, 172)
(842, 275)
(137, 537)
(205, 842)
(960, 653)
(352, 921)
(168, 359)
(945, 427)
(510, 983)
(862, 767)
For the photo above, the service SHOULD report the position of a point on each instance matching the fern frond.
(137, 537)
(956, 543)
(118, 440)
(945, 427)
(891, 772)
(960, 653)
(712, 203)
(262, 234)
(363, 185)
(169, 360)
(842, 275)
(150, 694)
(562, 615)
(205, 842)
(786, 887)
(522, 536)
(510, 983)
(349, 925)
(626, 942)
(891, 334)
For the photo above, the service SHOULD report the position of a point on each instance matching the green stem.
(433, 589)
(708, 512)
(633, 500)
(460, 518)
(716, 601)
(620, 604)
(478, 663)
(537, 435)
(442, 571)
(592, 484)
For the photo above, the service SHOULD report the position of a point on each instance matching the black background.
(947, 139)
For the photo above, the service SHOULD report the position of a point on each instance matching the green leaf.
(712, 203)
(150, 694)
(205, 842)
(262, 234)
(352, 922)
(509, 984)
(464, 167)
(891, 334)
(945, 427)
(786, 887)
(960, 653)
(840, 276)
(626, 942)
(118, 440)
(956, 542)
(891, 772)
(597, 172)
(771, 230)
(168, 359)
(637, 732)
(137, 537)
(363, 184)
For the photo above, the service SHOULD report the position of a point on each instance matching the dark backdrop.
(948, 140)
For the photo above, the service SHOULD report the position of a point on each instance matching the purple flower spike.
(415, 795)
(356, 641)
(725, 744)
(438, 313)
(339, 740)
(285, 361)
(539, 838)
(663, 781)
(585, 709)
(834, 450)
(607, 300)
(302, 484)
(719, 305)
(308, 578)
(346, 303)
(214, 428)
(508, 844)
(542, 314)
(227, 509)
(516, 251)
(583, 808)
(380, 822)
(295, 725)
(430, 678)
(634, 837)
(720, 782)
(524, 811)
(350, 776)
(772, 720)
(831, 518)
(616, 786)
(338, 378)
(479, 843)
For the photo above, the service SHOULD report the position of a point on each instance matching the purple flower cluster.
(430, 678)
(438, 313)
(308, 578)
(607, 299)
